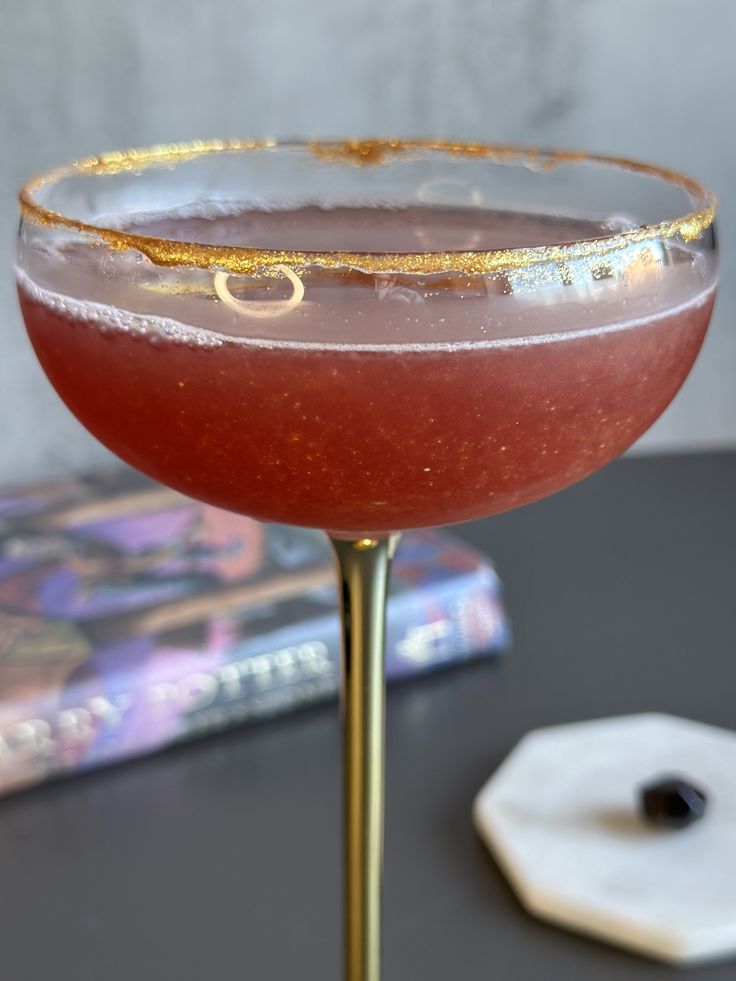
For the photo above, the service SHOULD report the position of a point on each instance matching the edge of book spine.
(285, 669)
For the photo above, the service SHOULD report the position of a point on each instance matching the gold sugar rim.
(250, 260)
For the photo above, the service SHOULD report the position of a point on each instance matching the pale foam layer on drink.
(112, 320)
(309, 306)
(160, 330)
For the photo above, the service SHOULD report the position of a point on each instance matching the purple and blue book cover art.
(132, 617)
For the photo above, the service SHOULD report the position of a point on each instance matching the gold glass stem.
(363, 568)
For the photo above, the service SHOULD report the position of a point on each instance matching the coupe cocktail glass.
(365, 337)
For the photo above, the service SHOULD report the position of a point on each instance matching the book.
(132, 617)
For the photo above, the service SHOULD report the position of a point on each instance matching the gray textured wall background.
(646, 78)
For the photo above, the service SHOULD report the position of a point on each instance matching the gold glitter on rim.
(361, 153)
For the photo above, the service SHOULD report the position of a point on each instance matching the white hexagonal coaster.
(561, 817)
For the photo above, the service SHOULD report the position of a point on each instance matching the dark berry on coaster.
(672, 802)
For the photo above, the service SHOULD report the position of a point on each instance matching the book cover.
(132, 617)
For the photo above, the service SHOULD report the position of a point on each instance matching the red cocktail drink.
(365, 337)
(406, 405)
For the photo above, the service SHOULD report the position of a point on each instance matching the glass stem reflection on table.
(363, 568)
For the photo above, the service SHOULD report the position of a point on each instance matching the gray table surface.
(220, 860)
